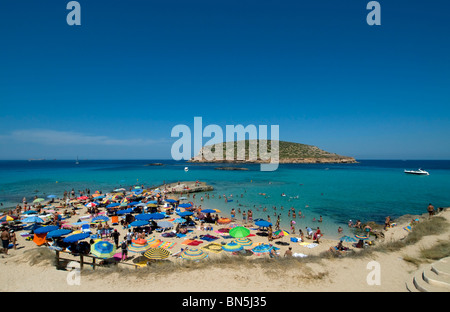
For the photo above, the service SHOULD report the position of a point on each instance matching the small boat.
(186, 169)
(417, 172)
(77, 162)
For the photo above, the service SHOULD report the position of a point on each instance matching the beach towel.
(312, 245)
(213, 247)
(304, 244)
(208, 238)
(155, 244)
(167, 245)
(299, 255)
(195, 243)
(186, 242)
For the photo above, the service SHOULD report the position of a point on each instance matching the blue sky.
(115, 86)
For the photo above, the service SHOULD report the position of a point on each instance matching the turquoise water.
(369, 190)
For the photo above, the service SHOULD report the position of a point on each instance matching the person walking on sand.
(5, 240)
(430, 210)
(124, 247)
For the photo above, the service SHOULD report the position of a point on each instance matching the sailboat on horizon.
(77, 162)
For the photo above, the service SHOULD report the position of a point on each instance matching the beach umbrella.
(138, 248)
(75, 237)
(239, 231)
(182, 197)
(208, 211)
(156, 253)
(103, 249)
(80, 223)
(152, 202)
(193, 254)
(185, 213)
(124, 211)
(172, 201)
(362, 237)
(113, 205)
(100, 219)
(58, 233)
(52, 196)
(46, 229)
(243, 241)
(6, 219)
(29, 212)
(262, 249)
(38, 200)
(186, 205)
(83, 198)
(347, 239)
(157, 216)
(179, 220)
(33, 219)
(281, 232)
(139, 223)
(91, 204)
(263, 223)
(232, 246)
(143, 217)
(164, 224)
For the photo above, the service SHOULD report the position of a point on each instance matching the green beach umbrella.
(239, 231)
(38, 200)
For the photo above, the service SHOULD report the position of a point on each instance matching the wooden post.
(57, 258)
(81, 261)
(93, 263)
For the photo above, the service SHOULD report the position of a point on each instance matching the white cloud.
(52, 137)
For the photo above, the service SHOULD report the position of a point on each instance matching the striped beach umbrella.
(138, 248)
(232, 246)
(157, 253)
(243, 241)
(103, 249)
(193, 254)
(6, 219)
(262, 249)
(239, 231)
(362, 237)
(281, 232)
(347, 239)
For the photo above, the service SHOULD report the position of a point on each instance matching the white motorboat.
(186, 169)
(417, 172)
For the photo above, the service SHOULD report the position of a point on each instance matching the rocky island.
(289, 153)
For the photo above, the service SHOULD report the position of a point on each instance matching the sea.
(368, 190)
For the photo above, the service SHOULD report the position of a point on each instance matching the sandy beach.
(31, 268)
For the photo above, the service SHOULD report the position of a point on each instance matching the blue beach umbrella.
(113, 205)
(58, 233)
(179, 220)
(185, 213)
(347, 239)
(185, 205)
(33, 219)
(208, 211)
(263, 223)
(124, 211)
(171, 200)
(152, 202)
(232, 246)
(75, 237)
(157, 216)
(103, 249)
(262, 249)
(133, 203)
(30, 212)
(46, 229)
(139, 223)
(52, 196)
